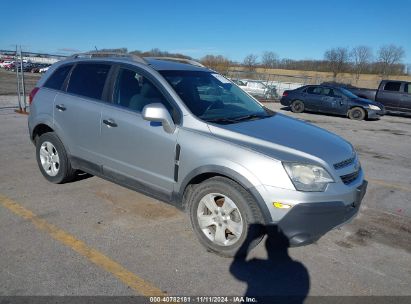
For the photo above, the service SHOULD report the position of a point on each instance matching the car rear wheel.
(297, 106)
(52, 159)
(224, 216)
(356, 113)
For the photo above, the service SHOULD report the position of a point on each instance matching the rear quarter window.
(88, 80)
(57, 79)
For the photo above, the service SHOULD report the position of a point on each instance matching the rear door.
(405, 103)
(390, 95)
(312, 98)
(136, 151)
(77, 111)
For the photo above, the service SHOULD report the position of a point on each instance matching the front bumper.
(307, 222)
(372, 114)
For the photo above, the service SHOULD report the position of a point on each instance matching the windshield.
(348, 93)
(212, 97)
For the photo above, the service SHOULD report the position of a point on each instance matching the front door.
(138, 152)
(333, 101)
(390, 95)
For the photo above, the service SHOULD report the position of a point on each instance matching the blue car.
(333, 100)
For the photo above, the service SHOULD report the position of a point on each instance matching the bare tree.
(362, 56)
(250, 62)
(218, 63)
(390, 56)
(269, 60)
(337, 59)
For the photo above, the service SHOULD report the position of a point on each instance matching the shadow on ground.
(279, 277)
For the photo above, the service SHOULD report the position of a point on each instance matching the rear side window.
(408, 88)
(314, 90)
(88, 80)
(392, 86)
(56, 80)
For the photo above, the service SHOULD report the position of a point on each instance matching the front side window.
(88, 80)
(134, 91)
(392, 86)
(213, 98)
(56, 80)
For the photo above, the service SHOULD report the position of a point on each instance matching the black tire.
(297, 106)
(252, 220)
(65, 172)
(356, 113)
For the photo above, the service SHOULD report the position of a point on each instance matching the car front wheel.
(224, 216)
(356, 113)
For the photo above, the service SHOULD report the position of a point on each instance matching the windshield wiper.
(237, 119)
(221, 120)
(249, 117)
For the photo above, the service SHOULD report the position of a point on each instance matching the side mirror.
(157, 112)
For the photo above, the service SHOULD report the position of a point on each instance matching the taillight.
(285, 93)
(32, 94)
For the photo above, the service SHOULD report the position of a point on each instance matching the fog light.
(281, 205)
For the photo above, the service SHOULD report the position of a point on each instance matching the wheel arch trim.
(216, 170)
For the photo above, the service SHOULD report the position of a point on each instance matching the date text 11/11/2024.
(202, 299)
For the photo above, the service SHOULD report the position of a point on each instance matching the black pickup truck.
(393, 94)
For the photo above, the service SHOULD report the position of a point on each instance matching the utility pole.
(17, 79)
(22, 79)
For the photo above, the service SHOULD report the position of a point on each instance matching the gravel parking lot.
(92, 237)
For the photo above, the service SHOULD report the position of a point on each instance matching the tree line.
(358, 60)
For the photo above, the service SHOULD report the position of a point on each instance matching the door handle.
(60, 107)
(110, 123)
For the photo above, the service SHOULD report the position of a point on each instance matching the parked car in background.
(333, 100)
(7, 64)
(258, 88)
(37, 66)
(393, 94)
(44, 69)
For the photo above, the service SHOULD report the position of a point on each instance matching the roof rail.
(181, 60)
(108, 54)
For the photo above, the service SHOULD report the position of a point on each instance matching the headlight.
(372, 107)
(308, 177)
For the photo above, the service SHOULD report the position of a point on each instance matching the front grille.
(349, 178)
(344, 163)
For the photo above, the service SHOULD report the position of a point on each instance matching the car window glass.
(326, 91)
(314, 90)
(210, 96)
(408, 88)
(135, 91)
(88, 80)
(57, 79)
(392, 86)
(335, 93)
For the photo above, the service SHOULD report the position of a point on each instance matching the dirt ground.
(8, 82)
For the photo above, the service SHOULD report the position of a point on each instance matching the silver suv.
(179, 132)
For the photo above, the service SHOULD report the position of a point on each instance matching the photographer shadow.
(278, 278)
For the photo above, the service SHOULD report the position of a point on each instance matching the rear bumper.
(307, 222)
(285, 101)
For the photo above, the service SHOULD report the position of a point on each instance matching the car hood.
(364, 101)
(286, 139)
